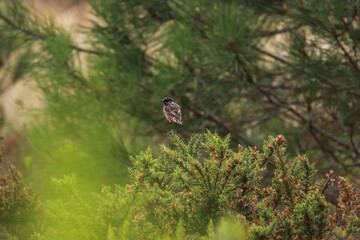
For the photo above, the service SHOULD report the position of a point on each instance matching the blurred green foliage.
(249, 68)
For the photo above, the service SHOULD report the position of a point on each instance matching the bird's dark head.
(167, 100)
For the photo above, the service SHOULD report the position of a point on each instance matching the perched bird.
(172, 110)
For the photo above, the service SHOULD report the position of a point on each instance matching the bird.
(172, 110)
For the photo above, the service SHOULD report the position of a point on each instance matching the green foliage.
(69, 215)
(5, 235)
(95, 153)
(198, 182)
(227, 229)
(248, 68)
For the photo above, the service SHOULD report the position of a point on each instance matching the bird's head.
(167, 100)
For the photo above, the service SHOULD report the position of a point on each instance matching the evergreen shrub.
(201, 181)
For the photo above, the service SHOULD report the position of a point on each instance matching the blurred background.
(81, 82)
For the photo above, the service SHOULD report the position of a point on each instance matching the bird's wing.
(174, 111)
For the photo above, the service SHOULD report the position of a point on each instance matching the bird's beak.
(162, 100)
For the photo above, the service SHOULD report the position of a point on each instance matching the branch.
(336, 87)
(351, 136)
(228, 127)
(21, 29)
(282, 103)
(44, 37)
(325, 149)
(73, 74)
(352, 62)
(270, 55)
(222, 124)
(275, 32)
(79, 49)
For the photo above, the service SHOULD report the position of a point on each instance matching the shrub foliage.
(17, 201)
(202, 180)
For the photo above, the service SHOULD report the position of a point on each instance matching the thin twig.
(352, 62)
(223, 124)
(73, 74)
(79, 49)
(275, 32)
(21, 29)
(271, 55)
(282, 103)
(351, 136)
(228, 127)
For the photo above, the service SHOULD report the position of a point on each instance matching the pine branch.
(282, 103)
(351, 136)
(44, 37)
(271, 55)
(264, 33)
(278, 101)
(347, 55)
(21, 29)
